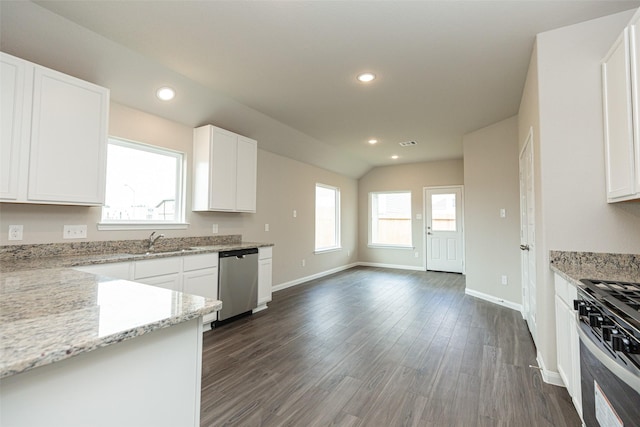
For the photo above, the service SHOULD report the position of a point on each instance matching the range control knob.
(577, 303)
(607, 331)
(584, 310)
(624, 344)
(595, 320)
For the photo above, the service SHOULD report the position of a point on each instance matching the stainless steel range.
(609, 330)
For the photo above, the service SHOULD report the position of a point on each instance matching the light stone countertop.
(574, 266)
(50, 312)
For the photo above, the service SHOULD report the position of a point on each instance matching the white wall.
(562, 102)
(410, 177)
(283, 185)
(491, 184)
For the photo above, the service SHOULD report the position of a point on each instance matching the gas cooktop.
(623, 298)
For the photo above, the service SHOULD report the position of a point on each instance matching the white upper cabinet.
(13, 76)
(621, 120)
(225, 171)
(56, 136)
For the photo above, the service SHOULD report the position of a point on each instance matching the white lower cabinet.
(567, 341)
(191, 274)
(265, 274)
(200, 277)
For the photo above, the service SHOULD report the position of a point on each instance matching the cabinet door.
(619, 152)
(634, 50)
(223, 170)
(246, 176)
(564, 322)
(12, 139)
(265, 272)
(68, 140)
(201, 282)
(168, 281)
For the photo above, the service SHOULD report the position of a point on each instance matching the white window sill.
(323, 251)
(142, 225)
(374, 246)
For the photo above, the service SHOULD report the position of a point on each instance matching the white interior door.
(527, 235)
(444, 228)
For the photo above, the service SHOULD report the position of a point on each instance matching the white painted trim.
(295, 282)
(495, 300)
(549, 377)
(396, 266)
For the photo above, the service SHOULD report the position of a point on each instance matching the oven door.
(610, 392)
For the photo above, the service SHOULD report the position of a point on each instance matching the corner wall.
(491, 184)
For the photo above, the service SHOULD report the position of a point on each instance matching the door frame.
(424, 222)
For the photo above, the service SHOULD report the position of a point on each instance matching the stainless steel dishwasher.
(237, 282)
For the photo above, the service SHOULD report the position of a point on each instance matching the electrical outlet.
(266, 227)
(503, 213)
(214, 228)
(304, 262)
(504, 279)
(416, 254)
(348, 252)
(15, 232)
(295, 213)
(74, 232)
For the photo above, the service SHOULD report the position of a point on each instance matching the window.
(327, 217)
(443, 212)
(390, 221)
(144, 185)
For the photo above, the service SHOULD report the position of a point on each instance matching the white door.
(527, 235)
(443, 208)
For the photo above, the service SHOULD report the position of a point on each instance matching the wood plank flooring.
(378, 347)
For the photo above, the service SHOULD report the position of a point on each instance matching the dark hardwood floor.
(378, 347)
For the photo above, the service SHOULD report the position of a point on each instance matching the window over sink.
(145, 187)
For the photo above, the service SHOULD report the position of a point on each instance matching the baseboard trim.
(396, 266)
(495, 300)
(301, 280)
(549, 377)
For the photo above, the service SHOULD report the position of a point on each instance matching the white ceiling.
(444, 68)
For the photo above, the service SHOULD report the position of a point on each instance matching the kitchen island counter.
(48, 315)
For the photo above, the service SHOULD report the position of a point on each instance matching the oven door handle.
(629, 378)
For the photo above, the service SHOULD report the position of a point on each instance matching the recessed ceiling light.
(395, 156)
(366, 77)
(373, 141)
(165, 93)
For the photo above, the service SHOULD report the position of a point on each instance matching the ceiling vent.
(408, 143)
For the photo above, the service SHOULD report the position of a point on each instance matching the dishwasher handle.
(238, 253)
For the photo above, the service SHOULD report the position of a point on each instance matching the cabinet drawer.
(157, 267)
(266, 252)
(198, 262)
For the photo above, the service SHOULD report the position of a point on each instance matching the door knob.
(524, 247)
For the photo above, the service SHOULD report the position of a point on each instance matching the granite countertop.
(50, 312)
(574, 266)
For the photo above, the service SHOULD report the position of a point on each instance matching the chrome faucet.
(152, 240)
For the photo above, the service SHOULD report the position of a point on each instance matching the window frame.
(338, 220)
(370, 212)
(180, 190)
